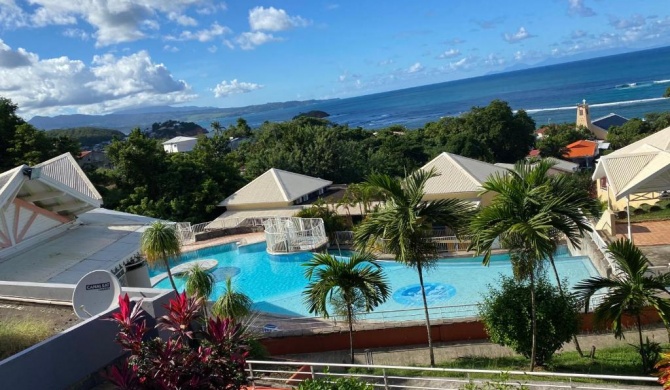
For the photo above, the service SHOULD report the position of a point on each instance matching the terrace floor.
(653, 238)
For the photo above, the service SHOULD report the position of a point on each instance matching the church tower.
(584, 119)
(583, 115)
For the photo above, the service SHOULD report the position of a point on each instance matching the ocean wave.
(641, 84)
(662, 81)
(610, 104)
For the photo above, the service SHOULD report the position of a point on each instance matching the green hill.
(87, 136)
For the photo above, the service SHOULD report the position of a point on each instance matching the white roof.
(643, 166)
(560, 165)
(58, 185)
(458, 174)
(179, 139)
(275, 186)
(242, 214)
(103, 239)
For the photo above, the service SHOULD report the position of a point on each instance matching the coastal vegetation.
(526, 215)
(345, 287)
(88, 137)
(631, 290)
(403, 223)
(232, 304)
(200, 284)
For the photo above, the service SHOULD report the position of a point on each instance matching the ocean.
(630, 84)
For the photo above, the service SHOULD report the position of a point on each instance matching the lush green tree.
(404, 222)
(356, 283)
(558, 136)
(503, 135)
(232, 304)
(631, 131)
(469, 145)
(667, 92)
(506, 308)
(332, 222)
(199, 284)
(527, 214)
(629, 291)
(159, 243)
(87, 136)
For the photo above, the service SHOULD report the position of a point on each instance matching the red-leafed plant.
(663, 373)
(213, 358)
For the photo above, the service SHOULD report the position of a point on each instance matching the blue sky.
(97, 56)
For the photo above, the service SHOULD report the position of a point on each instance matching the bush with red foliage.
(212, 358)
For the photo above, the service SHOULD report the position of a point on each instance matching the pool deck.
(249, 238)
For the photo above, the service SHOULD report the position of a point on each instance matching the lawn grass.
(651, 216)
(17, 335)
(622, 360)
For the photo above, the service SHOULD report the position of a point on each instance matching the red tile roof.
(582, 148)
(534, 153)
(84, 153)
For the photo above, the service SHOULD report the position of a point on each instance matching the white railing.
(383, 376)
(602, 246)
(292, 234)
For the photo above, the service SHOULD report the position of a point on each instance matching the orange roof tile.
(582, 148)
(534, 153)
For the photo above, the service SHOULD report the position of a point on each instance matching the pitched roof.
(581, 148)
(610, 120)
(643, 166)
(58, 185)
(179, 139)
(275, 186)
(559, 165)
(458, 174)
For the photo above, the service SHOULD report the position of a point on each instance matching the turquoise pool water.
(276, 283)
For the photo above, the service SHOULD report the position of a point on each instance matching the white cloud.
(76, 33)
(227, 88)
(518, 36)
(451, 53)
(60, 85)
(182, 19)
(212, 49)
(14, 59)
(113, 21)
(578, 8)
(249, 40)
(494, 60)
(171, 49)
(634, 21)
(273, 19)
(577, 34)
(462, 64)
(211, 8)
(416, 67)
(205, 35)
(385, 62)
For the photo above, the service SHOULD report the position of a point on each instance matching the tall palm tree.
(159, 243)
(405, 220)
(525, 217)
(199, 284)
(355, 283)
(232, 304)
(629, 292)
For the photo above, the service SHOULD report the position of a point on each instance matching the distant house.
(582, 152)
(180, 144)
(600, 126)
(275, 193)
(94, 158)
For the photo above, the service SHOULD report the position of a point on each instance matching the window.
(603, 183)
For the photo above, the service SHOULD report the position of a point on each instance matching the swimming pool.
(275, 283)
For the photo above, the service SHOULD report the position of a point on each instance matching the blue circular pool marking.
(223, 273)
(436, 293)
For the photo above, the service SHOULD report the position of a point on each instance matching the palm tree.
(405, 220)
(159, 243)
(355, 283)
(629, 292)
(232, 304)
(199, 284)
(525, 217)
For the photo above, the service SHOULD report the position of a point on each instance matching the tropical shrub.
(213, 358)
(330, 383)
(655, 208)
(506, 314)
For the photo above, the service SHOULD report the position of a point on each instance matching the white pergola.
(639, 171)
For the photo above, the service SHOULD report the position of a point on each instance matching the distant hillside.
(87, 136)
(170, 129)
(143, 118)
